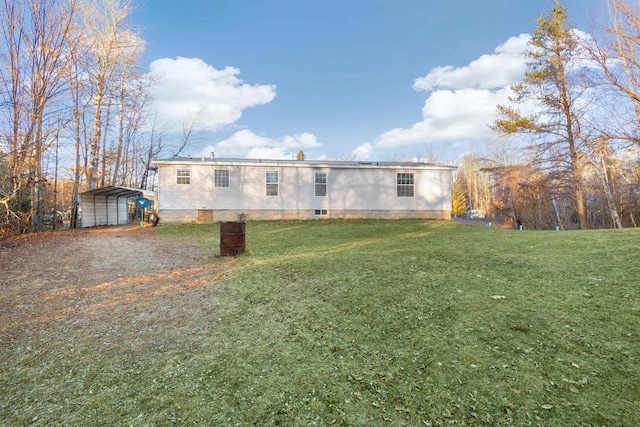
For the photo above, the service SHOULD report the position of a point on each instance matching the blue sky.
(365, 79)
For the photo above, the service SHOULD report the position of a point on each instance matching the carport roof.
(112, 190)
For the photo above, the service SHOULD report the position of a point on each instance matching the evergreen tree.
(553, 84)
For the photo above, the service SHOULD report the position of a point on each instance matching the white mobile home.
(206, 190)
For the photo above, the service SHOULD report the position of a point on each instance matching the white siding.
(102, 210)
(348, 189)
(88, 211)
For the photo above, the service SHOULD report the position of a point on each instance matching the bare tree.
(473, 181)
(522, 196)
(154, 148)
(79, 103)
(616, 50)
(132, 97)
(13, 108)
(35, 43)
(188, 127)
(63, 65)
(108, 43)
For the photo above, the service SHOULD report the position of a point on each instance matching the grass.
(411, 323)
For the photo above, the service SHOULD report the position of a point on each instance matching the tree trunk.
(77, 120)
(55, 189)
(611, 203)
(578, 195)
(576, 173)
(96, 133)
(116, 167)
(103, 173)
(38, 183)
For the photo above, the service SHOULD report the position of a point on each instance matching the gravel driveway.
(99, 276)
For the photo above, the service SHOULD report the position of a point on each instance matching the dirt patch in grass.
(102, 279)
(83, 311)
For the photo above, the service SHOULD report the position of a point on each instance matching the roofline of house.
(350, 164)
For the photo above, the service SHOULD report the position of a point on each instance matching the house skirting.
(204, 216)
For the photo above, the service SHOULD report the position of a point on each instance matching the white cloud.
(247, 144)
(362, 152)
(188, 90)
(462, 100)
(449, 116)
(505, 66)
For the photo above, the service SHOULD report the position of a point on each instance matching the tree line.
(566, 152)
(72, 105)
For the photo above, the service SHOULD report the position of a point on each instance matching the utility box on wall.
(205, 216)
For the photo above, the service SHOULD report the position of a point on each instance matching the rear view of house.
(207, 190)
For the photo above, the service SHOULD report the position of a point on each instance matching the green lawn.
(412, 323)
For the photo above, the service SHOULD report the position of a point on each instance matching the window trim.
(183, 179)
(317, 185)
(271, 184)
(226, 179)
(405, 184)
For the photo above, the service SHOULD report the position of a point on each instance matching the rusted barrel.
(231, 238)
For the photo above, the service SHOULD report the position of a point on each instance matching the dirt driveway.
(103, 281)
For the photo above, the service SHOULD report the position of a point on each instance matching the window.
(272, 183)
(183, 176)
(320, 184)
(221, 178)
(404, 184)
(321, 212)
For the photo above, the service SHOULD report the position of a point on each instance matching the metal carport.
(108, 205)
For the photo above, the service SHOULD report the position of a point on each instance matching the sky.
(338, 79)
